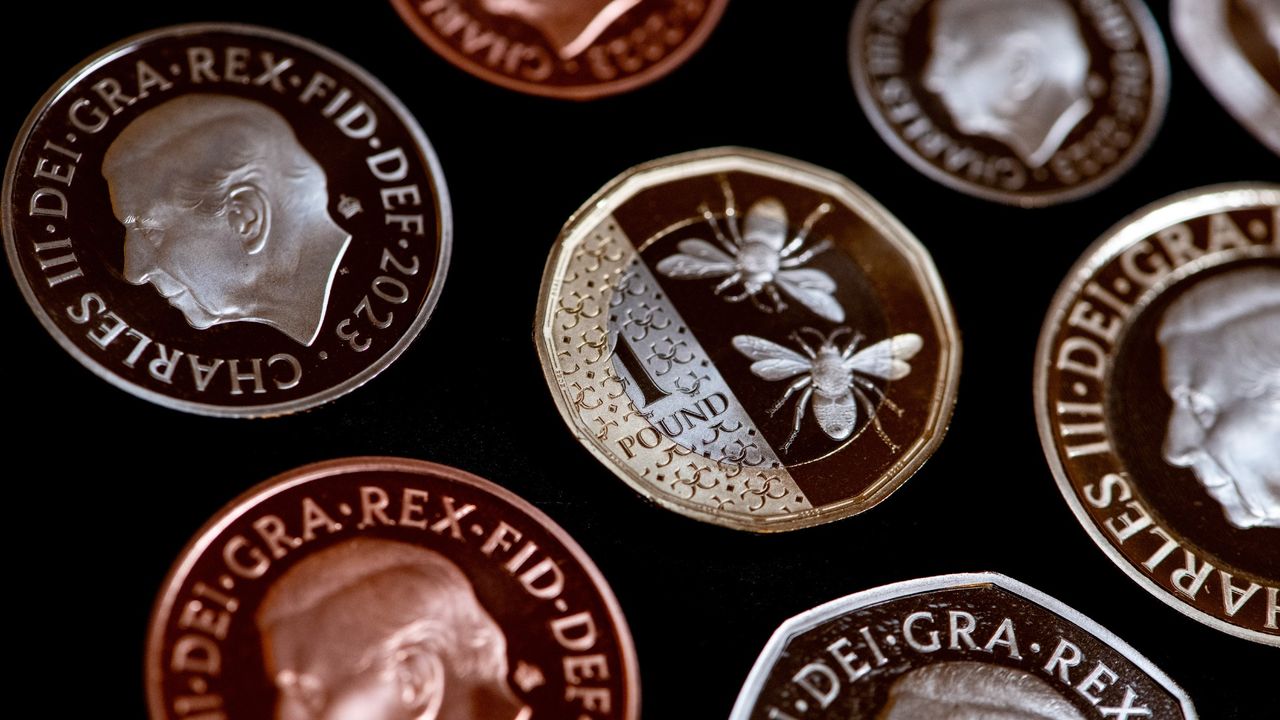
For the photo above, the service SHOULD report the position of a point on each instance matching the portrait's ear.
(420, 676)
(1025, 69)
(249, 216)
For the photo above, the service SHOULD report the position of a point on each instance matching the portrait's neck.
(1051, 131)
(480, 700)
(571, 29)
(298, 299)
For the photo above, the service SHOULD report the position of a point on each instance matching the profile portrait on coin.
(1015, 71)
(383, 630)
(226, 214)
(570, 27)
(964, 690)
(1220, 343)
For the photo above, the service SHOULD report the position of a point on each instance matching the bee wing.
(836, 416)
(772, 361)
(697, 259)
(766, 223)
(813, 289)
(888, 358)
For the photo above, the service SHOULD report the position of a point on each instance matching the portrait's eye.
(1201, 406)
(303, 689)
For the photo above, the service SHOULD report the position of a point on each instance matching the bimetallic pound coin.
(226, 220)
(1157, 394)
(381, 587)
(748, 340)
(574, 49)
(964, 647)
(1234, 46)
(1026, 102)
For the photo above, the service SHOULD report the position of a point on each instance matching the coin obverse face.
(1234, 46)
(226, 220)
(1157, 393)
(574, 49)
(387, 588)
(1026, 102)
(956, 647)
(748, 340)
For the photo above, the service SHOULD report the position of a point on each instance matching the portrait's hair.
(1240, 309)
(1052, 21)
(368, 597)
(945, 690)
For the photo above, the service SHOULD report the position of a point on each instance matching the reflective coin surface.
(1234, 46)
(575, 49)
(748, 340)
(226, 220)
(1026, 102)
(387, 588)
(956, 647)
(1157, 394)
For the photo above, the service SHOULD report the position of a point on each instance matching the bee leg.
(875, 420)
(789, 392)
(795, 426)
(778, 303)
(806, 256)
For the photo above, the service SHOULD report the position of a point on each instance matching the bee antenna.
(831, 339)
(822, 339)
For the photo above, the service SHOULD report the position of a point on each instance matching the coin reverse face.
(1234, 46)
(748, 340)
(1157, 393)
(962, 647)
(575, 49)
(226, 220)
(385, 588)
(1023, 102)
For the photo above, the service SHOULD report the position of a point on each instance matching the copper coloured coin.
(748, 339)
(576, 49)
(964, 647)
(383, 587)
(226, 220)
(1022, 102)
(1157, 393)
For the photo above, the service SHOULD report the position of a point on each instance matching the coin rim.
(1159, 54)
(66, 84)
(833, 609)
(1137, 226)
(669, 63)
(624, 187)
(204, 538)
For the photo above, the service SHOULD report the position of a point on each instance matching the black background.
(106, 488)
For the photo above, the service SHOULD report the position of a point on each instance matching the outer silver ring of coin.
(1143, 223)
(67, 82)
(810, 619)
(1151, 36)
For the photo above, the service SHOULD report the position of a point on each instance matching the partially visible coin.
(1026, 102)
(575, 49)
(226, 220)
(962, 647)
(748, 340)
(381, 587)
(1157, 393)
(1234, 46)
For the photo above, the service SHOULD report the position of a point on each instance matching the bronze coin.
(1026, 103)
(963, 647)
(748, 339)
(1157, 394)
(226, 220)
(383, 587)
(574, 49)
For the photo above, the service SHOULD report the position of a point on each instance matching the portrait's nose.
(1183, 438)
(139, 257)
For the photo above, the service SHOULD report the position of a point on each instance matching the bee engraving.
(759, 259)
(835, 378)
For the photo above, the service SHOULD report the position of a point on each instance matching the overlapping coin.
(1157, 393)
(1026, 102)
(962, 647)
(381, 587)
(226, 220)
(575, 49)
(748, 339)
(1234, 46)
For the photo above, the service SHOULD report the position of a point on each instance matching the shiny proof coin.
(383, 587)
(1025, 102)
(574, 49)
(964, 647)
(226, 220)
(1157, 394)
(748, 340)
